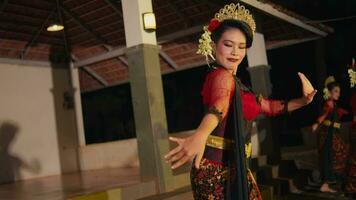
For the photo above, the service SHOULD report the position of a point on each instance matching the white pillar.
(256, 54)
(134, 32)
(258, 68)
(74, 76)
(147, 96)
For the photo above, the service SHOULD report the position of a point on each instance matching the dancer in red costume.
(221, 145)
(332, 149)
(350, 184)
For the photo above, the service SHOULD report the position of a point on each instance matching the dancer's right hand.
(314, 127)
(188, 148)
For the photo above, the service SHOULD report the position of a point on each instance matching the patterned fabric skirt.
(350, 184)
(333, 154)
(210, 180)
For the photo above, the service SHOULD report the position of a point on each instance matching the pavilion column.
(147, 95)
(261, 84)
(75, 94)
(77, 100)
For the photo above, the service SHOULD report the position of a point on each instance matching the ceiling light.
(55, 27)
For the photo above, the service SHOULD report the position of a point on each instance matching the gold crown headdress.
(352, 73)
(231, 11)
(326, 92)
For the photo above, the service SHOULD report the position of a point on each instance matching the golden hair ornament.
(328, 80)
(230, 11)
(352, 73)
(326, 92)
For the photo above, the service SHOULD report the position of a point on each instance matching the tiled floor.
(61, 187)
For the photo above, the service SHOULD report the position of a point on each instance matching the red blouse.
(218, 92)
(219, 88)
(353, 108)
(353, 103)
(328, 109)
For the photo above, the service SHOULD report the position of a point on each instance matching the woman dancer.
(332, 149)
(221, 144)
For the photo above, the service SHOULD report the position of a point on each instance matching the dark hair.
(332, 85)
(231, 23)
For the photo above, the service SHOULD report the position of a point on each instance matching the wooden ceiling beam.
(67, 47)
(20, 37)
(179, 13)
(180, 34)
(13, 15)
(4, 23)
(169, 60)
(83, 25)
(83, 4)
(43, 3)
(92, 12)
(120, 51)
(111, 54)
(126, 80)
(87, 28)
(81, 41)
(270, 10)
(35, 36)
(94, 75)
(123, 61)
(97, 29)
(33, 9)
(115, 5)
(283, 43)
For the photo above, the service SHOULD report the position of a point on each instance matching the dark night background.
(108, 113)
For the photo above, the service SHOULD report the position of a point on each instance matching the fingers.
(187, 149)
(312, 94)
(314, 127)
(308, 89)
(198, 160)
(301, 76)
(309, 97)
(176, 157)
(304, 79)
(175, 150)
(181, 162)
(174, 139)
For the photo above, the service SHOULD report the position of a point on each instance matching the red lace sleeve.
(353, 103)
(341, 112)
(272, 107)
(328, 106)
(218, 91)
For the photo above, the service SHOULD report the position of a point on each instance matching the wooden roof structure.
(94, 36)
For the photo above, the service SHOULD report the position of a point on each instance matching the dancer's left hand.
(308, 89)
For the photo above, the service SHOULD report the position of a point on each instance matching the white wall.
(121, 153)
(45, 143)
